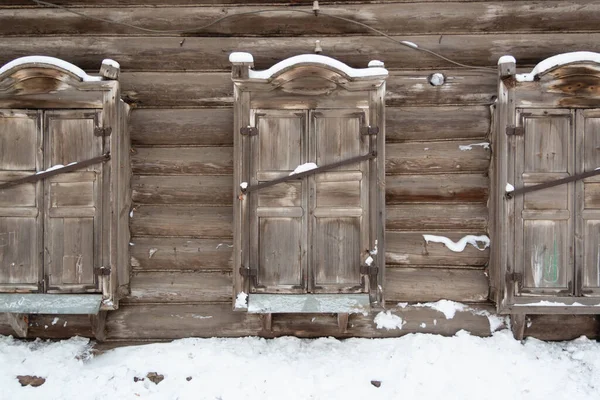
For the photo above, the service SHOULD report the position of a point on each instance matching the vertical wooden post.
(19, 323)
(517, 323)
(499, 207)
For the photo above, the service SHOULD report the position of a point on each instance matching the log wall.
(180, 89)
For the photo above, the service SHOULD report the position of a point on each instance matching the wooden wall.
(181, 93)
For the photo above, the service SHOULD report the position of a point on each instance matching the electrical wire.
(277, 10)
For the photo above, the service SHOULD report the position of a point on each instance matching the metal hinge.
(246, 272)
(369, 270)
(369, 130)
(515, 130)
(515, 277)
(102, 271)
(102, 131)
(249, 131)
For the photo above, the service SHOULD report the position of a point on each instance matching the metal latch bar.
(369, 270)
(369, 130)
(310, 172)
(545, 185)
(102, 271)
(46, 174)
(515, 130)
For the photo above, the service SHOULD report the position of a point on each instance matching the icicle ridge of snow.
(459, 246)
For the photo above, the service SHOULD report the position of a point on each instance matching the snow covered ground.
(416, 366)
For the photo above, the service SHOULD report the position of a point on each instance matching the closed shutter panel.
(338, 224)
(20, 217)
(72, 231)
(544, 220)
(588, 198)
(277, 228)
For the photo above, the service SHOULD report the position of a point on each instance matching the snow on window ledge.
(56, 62)
(557, 61)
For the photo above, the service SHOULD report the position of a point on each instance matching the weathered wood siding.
(181, 134)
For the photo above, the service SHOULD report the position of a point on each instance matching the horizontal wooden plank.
(410, 248)
(59, 326)
(432, 284)
(180, 287)
(182, 160)
(171, 54)
(430, 123)
(159, 253)
(172, 127)
(213, 126)
(457, 188)
(562, 327)
(160, 3)
(140, 321)
(458, 217)
(407, 18)
(215, 89)
(181, 189)
(189, 221)
(437, 157)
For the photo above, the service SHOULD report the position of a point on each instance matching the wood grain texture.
(168, 54)
(208, 320)
(408, 18)
(178, 254)
(178, 287)
(419, 217)
(457, 188)
(180, 189)
(435, 122)
(562, 327)
(437, 157)
(432, 284)
(189, 221)
(172, 127)
(182, 160)
(59, 326)
(410, 248)
(101, 3)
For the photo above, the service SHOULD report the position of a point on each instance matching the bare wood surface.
(100, 3)
(457, 188)
(59, 326)
(182, 160)
(408, 18)
(430, 123)
(207, 320)
(214, 89)
(19, 324)
(459, 217)
(167, 54)
(166, 287)
(562, 327)
(180, 189)
(410, 248)
(437, 157)
(517, 322)
(192, 221)
(433, 284)
(159, 253)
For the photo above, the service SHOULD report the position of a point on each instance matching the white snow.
(112, 63)
(320, 60)
(241, 57)
(466, 147)
(244, 185)
(151, 252)
(558, 60)
(506, 59)
(57, 166)
(375, 63)
(449, 309)
(56, 62)
(241, 300)
(415, 366)
(304, 168)
(410, 44)
(369, 261)
(387, 320)
(55, 320)
(509, 188)
(437, 79)
(461, 244)
(551, 304)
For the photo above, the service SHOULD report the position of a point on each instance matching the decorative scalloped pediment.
(307, 74)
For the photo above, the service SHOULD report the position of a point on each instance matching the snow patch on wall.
(449, 308)
(509, 188)
(506, 59)
(304, 168)
(461, 244)
(485, 145)
(387, 320)
(241, 300)
(241, 57)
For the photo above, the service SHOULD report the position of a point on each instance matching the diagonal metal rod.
(557, 182)
(61, 170)
(317, 170)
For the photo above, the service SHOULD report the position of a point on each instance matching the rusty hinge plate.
(102, 271)
(249, 131)
(102, 131)
(246, 272)
(515, 130)
(369, 270)
(369, 130)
